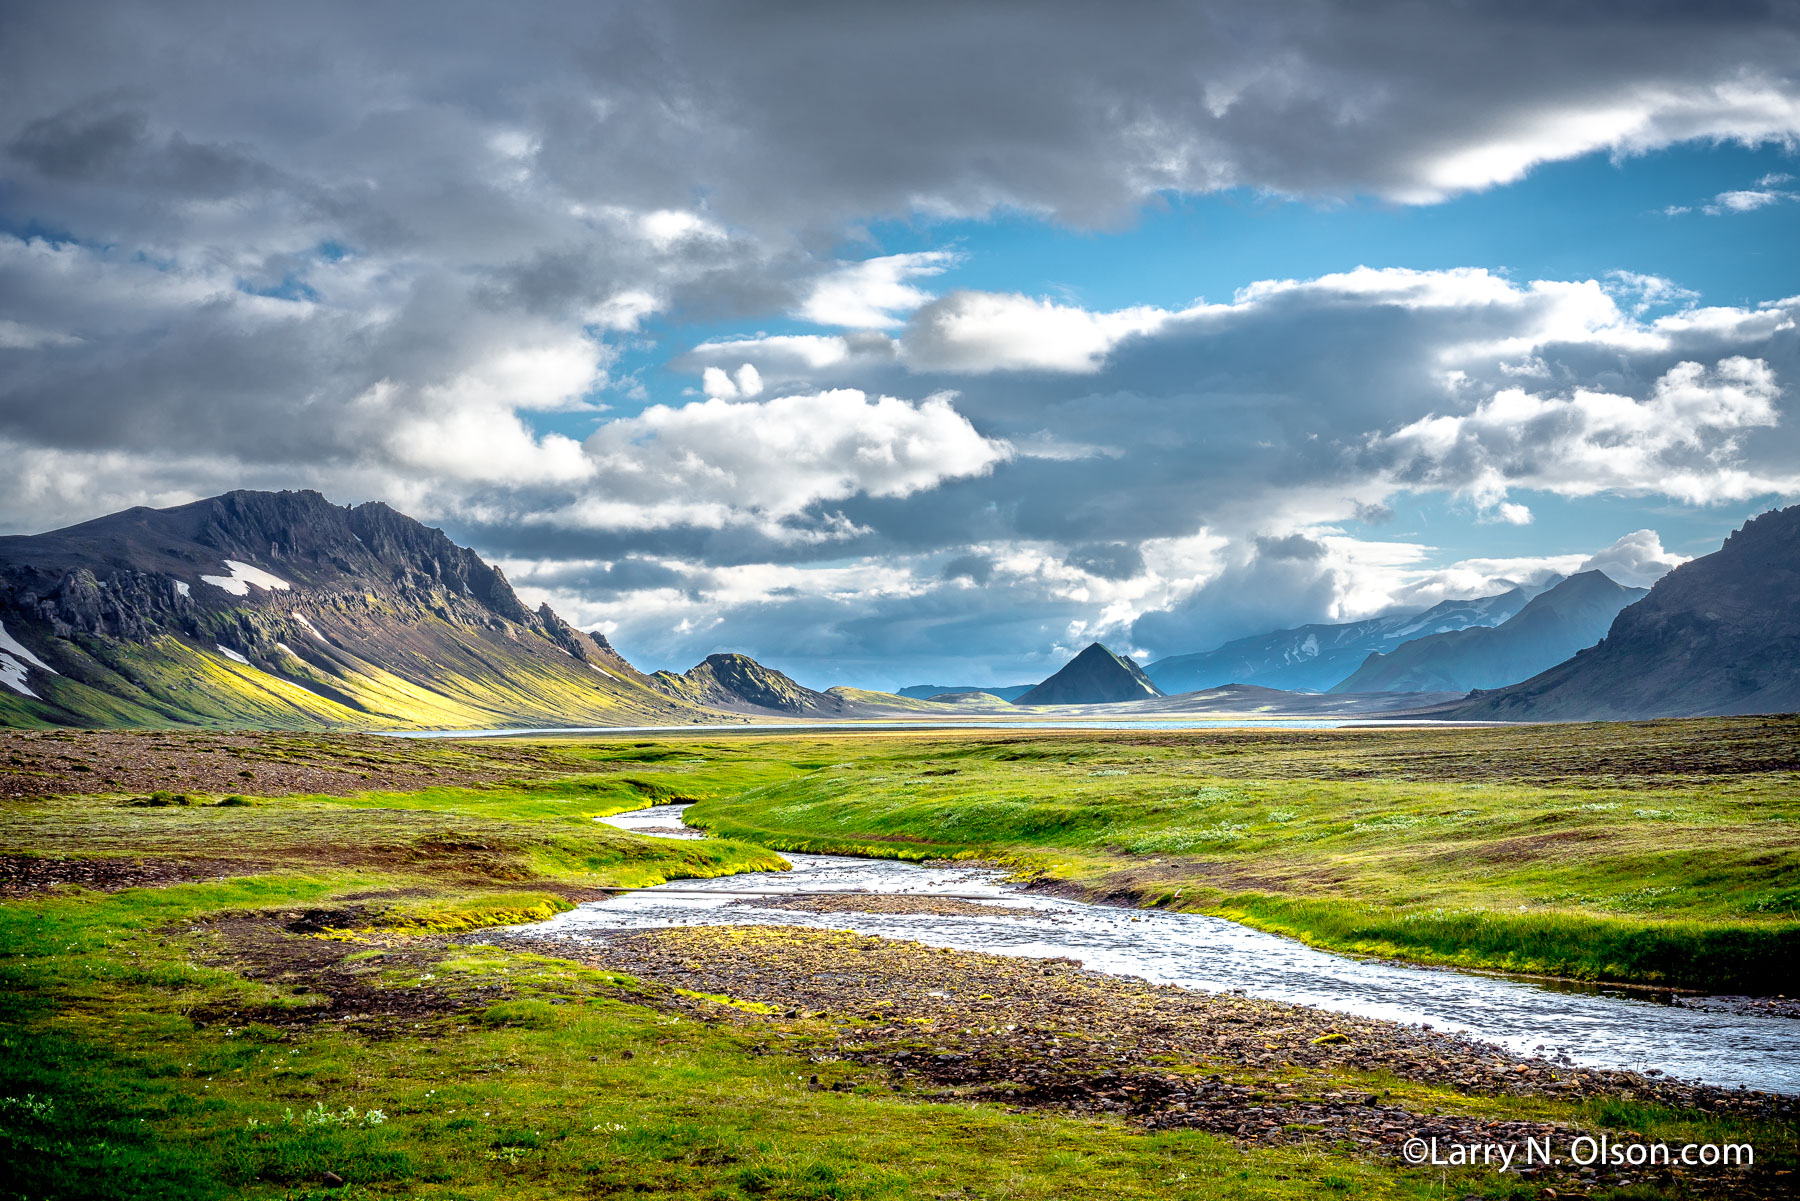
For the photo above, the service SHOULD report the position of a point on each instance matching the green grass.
(113, 1086)
(568, 1086)
(123, 1073)
(475, 679)
(1676, 867)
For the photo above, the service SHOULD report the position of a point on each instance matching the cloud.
(1745, 201)
(18, 335)
(1476, 313)
(1682, 440)
(720, 462)
(1766, 193)
(1272, 583)
(745, 383)
(1265, 582)
(1636, 560)
(871, 294)
(1481, 576)
(975, 332)
(1073, 112)
(1302, 402)
(444, 261)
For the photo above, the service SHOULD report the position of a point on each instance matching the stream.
(1585, 1027)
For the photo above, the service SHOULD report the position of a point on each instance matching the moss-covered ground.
(290, 996)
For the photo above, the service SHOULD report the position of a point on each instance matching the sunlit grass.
(1602, 850)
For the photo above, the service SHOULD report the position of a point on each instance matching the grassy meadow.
(231, 994)
(1660, 853)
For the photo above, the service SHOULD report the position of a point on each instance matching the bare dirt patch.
(24, 875)
(326, 985)
(36, 763)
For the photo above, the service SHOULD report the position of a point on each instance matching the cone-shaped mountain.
(1094, 677)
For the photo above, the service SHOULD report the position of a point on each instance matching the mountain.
(866, 703)
(1718, 635)
(1252, 702)
(280, 609)
(739, 683)
(925, 692)
(1554, 625)
(1094, 677)
(1314, 657)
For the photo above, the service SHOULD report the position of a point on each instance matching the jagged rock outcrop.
(740, 683)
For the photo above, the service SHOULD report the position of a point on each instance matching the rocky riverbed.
(950, 1025)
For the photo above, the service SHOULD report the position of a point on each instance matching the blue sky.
(1583, 219)
(897, 346)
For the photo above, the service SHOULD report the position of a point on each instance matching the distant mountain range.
(280, 609)
(1718, 635)
(1552, 626)
(1094, 677)
(1313, 658)
(925, 692)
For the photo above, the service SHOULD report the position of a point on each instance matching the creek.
(1589, 1027)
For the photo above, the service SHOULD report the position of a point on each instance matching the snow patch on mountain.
(242, 576)
(229, 653)
(13, 658)
(12, 674)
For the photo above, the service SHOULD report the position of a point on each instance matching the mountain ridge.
(282, 609)
(1315, 657)
(1717, 636)
(925, 692)
(1552, 626)
(738, 682)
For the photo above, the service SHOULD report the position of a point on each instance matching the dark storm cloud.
(484, 162)
(78, 146)
(1111, 561)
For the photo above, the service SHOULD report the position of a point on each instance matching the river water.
(1212, 954)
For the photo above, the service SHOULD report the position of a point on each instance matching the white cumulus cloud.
(719, 462)
(873, 293)
(975, 332)
(1683, 440)
(1636, 560)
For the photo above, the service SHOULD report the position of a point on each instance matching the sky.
(919, 343)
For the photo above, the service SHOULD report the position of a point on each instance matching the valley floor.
(241, 965)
